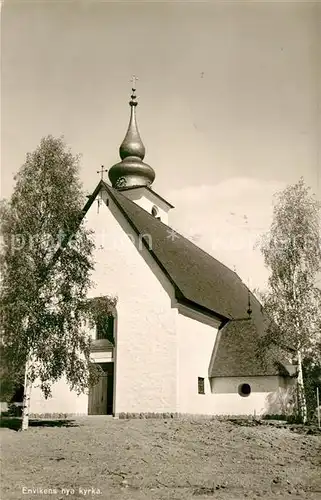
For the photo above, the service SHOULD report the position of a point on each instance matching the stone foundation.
(56, 416)
(182, 416)
(128, 416)
(147, 415)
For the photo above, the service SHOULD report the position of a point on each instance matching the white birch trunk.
(26, 399)
(302, 405)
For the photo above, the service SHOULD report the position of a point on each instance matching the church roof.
(236, 353)
(198, 278)
(202, 282)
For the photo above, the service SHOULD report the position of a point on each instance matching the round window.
(244, 390)
(154, 211)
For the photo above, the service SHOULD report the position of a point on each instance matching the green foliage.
(9, 379)
(99, 307)
(101, 313)
(292, 251)
(312, 378)
(46, 264)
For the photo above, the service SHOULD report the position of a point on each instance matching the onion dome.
(131, 171)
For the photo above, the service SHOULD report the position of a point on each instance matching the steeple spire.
(132, 171)
(132, 144)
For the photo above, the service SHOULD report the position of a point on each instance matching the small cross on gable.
(102, 171)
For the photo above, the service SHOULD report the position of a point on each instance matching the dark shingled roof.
(197, 276)
(202, 282)
(236, 352)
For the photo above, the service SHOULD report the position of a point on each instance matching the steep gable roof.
(202, 282)
(198, 277)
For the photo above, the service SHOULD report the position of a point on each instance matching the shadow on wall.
(281, 402)
(15, 423)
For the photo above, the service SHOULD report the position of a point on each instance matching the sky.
(229, 103)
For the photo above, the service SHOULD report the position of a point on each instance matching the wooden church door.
(100, 399)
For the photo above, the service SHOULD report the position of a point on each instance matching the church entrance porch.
(101, 395)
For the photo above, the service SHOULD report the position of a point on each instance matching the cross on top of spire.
(133, 102)
(134, 80)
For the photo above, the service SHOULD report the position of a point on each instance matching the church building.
(183, 336)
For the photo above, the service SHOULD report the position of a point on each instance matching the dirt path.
(110, 459)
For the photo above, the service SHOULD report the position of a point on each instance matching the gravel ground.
(101, 457)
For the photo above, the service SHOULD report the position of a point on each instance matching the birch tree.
(46, 262)
(292, 252)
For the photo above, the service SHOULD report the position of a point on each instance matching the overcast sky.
(229, 103)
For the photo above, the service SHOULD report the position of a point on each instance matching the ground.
(159, 459)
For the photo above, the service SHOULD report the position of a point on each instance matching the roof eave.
(181, 299)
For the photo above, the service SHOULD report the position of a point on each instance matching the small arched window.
(154, 211)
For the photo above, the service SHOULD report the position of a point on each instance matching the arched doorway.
(101, 395)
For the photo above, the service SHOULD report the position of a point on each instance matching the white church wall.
(196, 341)
(145, 353)
(228, 401)
(63, 401)
(145, 339)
